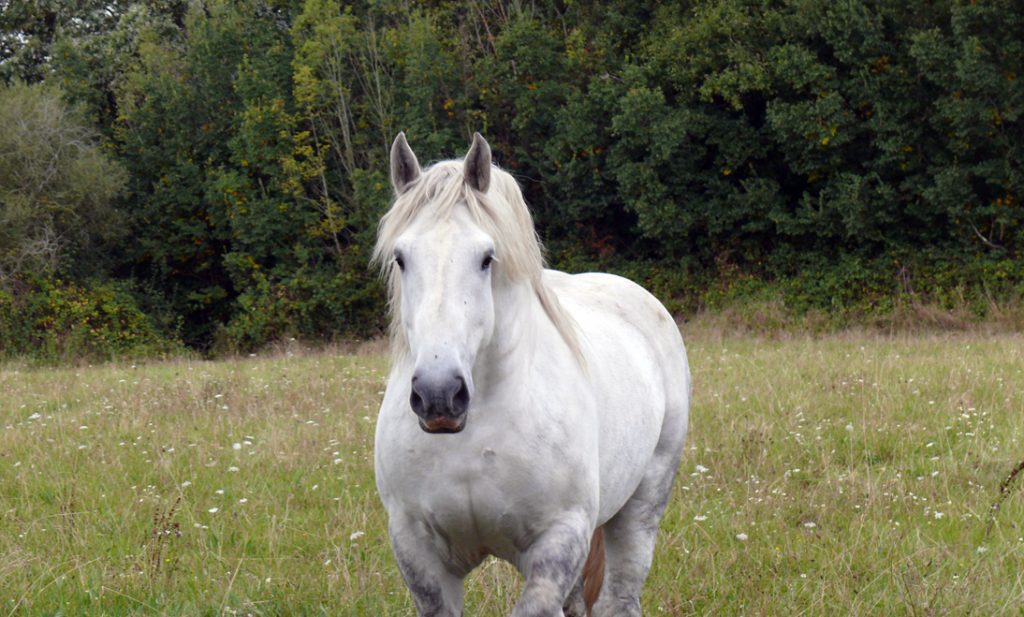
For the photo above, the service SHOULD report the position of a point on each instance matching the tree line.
(209, 173)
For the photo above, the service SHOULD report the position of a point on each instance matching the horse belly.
(488, 514)
(630, 395)
(630, 417)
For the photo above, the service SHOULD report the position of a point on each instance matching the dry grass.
(860, 469)
(773, 319)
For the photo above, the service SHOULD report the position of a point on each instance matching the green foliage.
(312, 304)
(55, 320)
(834, 117)
(57, 184)
(828, 155)
(30, 31)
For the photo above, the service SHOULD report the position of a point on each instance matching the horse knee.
(435, 591)
(617, 607)
(539, 606)
(574, 605)
(552, 567)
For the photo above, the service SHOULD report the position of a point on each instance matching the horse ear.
(405, 169)
(477, 168)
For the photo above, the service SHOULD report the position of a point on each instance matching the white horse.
(526, 409)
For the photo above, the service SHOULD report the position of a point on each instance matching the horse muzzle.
(440, 401)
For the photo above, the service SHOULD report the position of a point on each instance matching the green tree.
(833, 150)
(179, 112)
(30, 30)
(57, 186)
(973, 64)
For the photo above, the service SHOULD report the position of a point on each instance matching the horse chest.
(462, 477)
(487, 506)
(482, 491)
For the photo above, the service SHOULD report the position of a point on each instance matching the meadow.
(844, 474)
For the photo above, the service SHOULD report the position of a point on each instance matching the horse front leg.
(552, 566)
(436, 590)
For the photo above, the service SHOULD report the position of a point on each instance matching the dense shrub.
(54, 320)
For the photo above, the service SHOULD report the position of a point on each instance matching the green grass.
(861, 470)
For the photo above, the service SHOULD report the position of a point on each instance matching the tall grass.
(850, 474)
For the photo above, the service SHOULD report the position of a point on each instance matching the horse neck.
(521, 329)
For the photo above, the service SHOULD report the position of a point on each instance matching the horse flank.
(501, 212)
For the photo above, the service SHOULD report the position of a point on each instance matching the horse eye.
(487, 261)
(399, 261)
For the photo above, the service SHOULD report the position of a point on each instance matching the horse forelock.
(502, 213)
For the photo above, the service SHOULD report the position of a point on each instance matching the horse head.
(444, 265)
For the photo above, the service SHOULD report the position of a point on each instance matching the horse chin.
(443, 425)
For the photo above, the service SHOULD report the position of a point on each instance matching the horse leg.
(435, 589)
(630, 535)
(552, 566)
(584, 593)
(574, 605)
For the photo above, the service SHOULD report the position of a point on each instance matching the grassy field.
(850, 474)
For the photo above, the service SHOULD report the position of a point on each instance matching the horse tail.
(593, 570)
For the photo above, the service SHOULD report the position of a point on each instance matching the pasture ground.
(850, 474)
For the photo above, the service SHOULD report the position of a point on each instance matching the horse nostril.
(416, 401)
(460, 402)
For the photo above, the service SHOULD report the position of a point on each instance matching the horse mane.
(501, 212)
